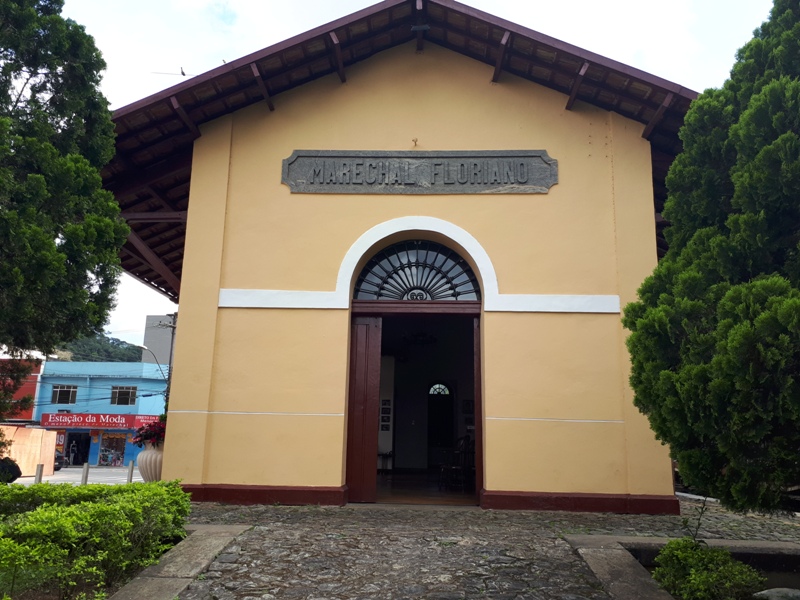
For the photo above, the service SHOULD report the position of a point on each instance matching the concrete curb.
(611, 559)
(181, 564)
(621, 575)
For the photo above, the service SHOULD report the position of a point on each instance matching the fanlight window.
(417, 270)
(438, 388)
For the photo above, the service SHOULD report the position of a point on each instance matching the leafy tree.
(60, 232)
(715, 341)
(102, 348)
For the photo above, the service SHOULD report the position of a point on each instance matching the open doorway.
(416, 308)
(425, 411)
(77, 447)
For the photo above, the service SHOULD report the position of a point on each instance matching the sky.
(147, 43)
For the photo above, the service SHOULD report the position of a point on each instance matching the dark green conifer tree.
(715, 335)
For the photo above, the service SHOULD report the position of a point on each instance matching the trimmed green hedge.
(81, 540)
(690, 570)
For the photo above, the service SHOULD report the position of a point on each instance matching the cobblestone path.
(396, 552)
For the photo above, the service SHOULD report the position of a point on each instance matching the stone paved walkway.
(394, 552)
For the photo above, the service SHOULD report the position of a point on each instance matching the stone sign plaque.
(412, 172)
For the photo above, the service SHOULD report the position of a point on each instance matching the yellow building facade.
(289, 386)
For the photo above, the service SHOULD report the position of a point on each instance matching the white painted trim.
(372, 236)
(242, 412)
(531, 303)
(563, 303)
(232, 298)
(616, 421)
(493, 301)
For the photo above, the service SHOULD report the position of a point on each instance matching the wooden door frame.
(361, 469)
(364, 392)
(478, 409)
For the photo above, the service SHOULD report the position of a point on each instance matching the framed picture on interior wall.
(386, 402)
(467, 407)
(384, 428)
(386, 420)
(386, 411)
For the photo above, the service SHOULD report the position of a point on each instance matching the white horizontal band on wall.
(562, 303)
(253, 413)
(229, 298)
(293, 414)
(613, 421)
(493, 300)
(233, 298)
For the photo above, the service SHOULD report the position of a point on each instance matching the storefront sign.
(96, 420)
(61, 437)
(441, 172)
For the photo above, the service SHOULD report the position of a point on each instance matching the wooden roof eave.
(254, 57)
(157, 132)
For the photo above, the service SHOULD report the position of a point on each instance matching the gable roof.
(150, 172)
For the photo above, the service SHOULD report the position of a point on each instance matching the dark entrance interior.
(426, 438)
(78, 453)
(412, 435)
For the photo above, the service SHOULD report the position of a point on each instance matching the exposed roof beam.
(184, 116)
(128, 164)
(170, 249)
(155, 194)
(576, 85)
(169, 245)
(501, 55)
(662, 159)
(262, 85)
(420, 27)
(155, 217)
(657, 116)
(154, 261)
(171, 294)
(337, 50)
(136, 179)
(555, 70)
(561, 46)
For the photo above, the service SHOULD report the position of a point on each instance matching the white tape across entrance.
(493, 301)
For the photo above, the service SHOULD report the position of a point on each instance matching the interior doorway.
(77, 447)
(412, 424)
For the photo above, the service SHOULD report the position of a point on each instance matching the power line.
(104, 359)
(95, 400)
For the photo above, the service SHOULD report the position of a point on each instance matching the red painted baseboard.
(615, 503)
(264, 494)
(337, 496)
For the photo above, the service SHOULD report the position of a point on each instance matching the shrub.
(15, 499)
(690, 570)
(82, 539)
(9, 470)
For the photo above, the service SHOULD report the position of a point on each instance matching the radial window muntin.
(417, 270)
(438, 389)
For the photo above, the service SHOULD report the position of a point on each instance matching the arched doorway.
(416, 316)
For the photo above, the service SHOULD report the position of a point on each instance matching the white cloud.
(134, 302)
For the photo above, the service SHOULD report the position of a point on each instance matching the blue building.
(96, 407)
